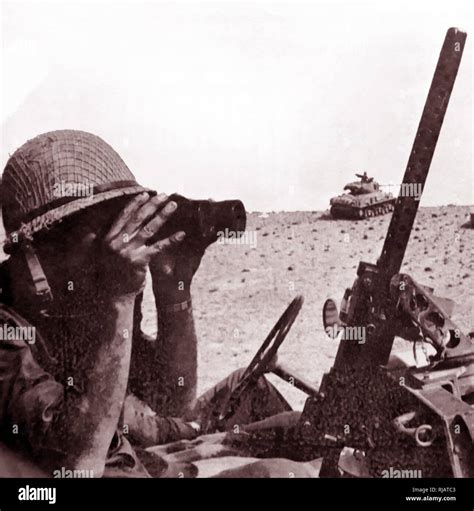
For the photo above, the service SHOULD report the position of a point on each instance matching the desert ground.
(240, 291)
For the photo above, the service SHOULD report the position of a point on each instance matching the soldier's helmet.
(56, 174)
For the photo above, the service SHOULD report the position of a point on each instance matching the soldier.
(364, 178)
(90, 380)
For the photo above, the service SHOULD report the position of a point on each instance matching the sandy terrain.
(240, 291)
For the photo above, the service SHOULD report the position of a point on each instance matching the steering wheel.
(262, 359)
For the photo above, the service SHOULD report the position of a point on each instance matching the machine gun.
(406, 418)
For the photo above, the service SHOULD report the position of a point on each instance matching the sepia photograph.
(237, 243)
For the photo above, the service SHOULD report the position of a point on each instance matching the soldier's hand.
(172, 272)
(126, 254)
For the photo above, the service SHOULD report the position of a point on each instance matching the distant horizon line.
(327, 209)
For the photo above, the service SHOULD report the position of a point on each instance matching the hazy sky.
(274, 103)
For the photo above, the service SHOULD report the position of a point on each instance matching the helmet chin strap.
(43, 293)
(42, 290)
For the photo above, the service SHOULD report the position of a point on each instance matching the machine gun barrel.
(422, 152)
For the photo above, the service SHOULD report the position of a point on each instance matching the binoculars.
(204, 221)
